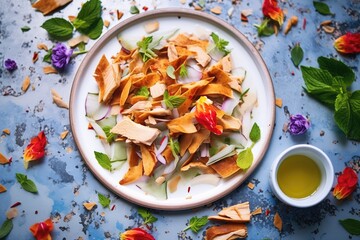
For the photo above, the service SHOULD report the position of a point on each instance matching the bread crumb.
(251, 185)
(6, 131)
(25, 84)
(2, 188)
(257, 211)
(279, 102)
(216, 10)
(89, 205)
(278, 221)
(64, 134)
(49, 70)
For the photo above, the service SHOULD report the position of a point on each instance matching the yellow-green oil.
(298, 176)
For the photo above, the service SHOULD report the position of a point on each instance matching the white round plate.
(243, 54)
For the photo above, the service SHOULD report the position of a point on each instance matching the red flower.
(348, 43)
(270, 9)
(36, 148)
(41, 231)
(346, 183)
(205, 114)
(136, 234)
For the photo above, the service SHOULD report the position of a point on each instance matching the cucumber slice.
(94, 109)
(152, 188)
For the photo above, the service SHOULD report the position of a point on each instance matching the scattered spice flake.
(48, 6)
(35, 150)
(6, 131)
(42, 46)
(251, 185)
(3, 159)
(189, 188)
(35, 57)
(304, 24)
(25, 84)
(102, 214)
(257, 211)
(216, 10)
(12, 213)
(15, 204)
(278, 221)
(244, 18)
(322, 133)
(71, 18)
(64, 134)
(113, 207)
(279, 102)
(119, 14)
(57, 99)
(42, 230)
(106, 23)
(292, 22)
(89, 205)
(2, 188)
(328, 29)
(151, 27)
(145, 8)
(49, 70)
(267, 212)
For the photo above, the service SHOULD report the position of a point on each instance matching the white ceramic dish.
(326, 169)
(244, 55)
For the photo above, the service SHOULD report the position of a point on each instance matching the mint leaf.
(220, 43)
(337, 68)
(146, 46)
(245, 159)
(174, 146)
(110, 137)
(6, 228)
(103, 160)
(88, 16)
(25, 28)
(103, 200)
(322, 8)
(47, 57)
(95, 30)
(134, 10)
(297, 55)
(173, 101)
(146, 216)
(143, 91)
(195, 223)
(58, 28)
(321, 85)
(347, 114)
(183, 71)
(170, 72)
(352, 226)
(255, 133)
(27, 184)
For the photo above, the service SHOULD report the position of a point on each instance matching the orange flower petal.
(36, 148)
(136, 234)
(205, 114)
(347, 182)
(42, 230)
(348, 43)
(270, 9)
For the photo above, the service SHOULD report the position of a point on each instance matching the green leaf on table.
(352, 226)
(255, 133)
(25, 28)
(103, 200)
(89, 21)
(170, 71)
(47, 57)
(134, 10)
(321, 85)
(195, 223)
(183, 71)
(337, 68)
(347, 114)
(6, 228)
(143, 91)
(297, 55)
(110, 137)
(245, 159)
(220, 43)
(58, 28)
(264, 29)
(103, 160)
(173, 101)
(27, 184)
(146, 216)
(322, 8)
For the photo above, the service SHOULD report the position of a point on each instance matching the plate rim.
(186, 13)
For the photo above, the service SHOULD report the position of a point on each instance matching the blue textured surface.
(64, 181)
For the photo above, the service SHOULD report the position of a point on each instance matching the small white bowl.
(326, 169)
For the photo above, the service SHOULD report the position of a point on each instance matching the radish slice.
(230, 103)
(94, 109)
(204, 150)
(211, 179)
(160, 158)
(163, 145)
(194, 73)
(118, 151)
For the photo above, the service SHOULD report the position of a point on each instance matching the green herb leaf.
(220, 44)
(264, 29)
(255, 133)
(134, 10)
(297, 55)
(195, 223)
(347, 114)
(143, 91)
(58, 28)
(213, 151)
(174, 146)
(170, 72)
(322, 8)
(25, 28)
(110, 137)
(88, 16)
(202, 3)
(337, 68)
(183, 71)
(95, 30)
(145, 48)
(146, 216)
(103, 200)
(173, 101)
(27, 184)
(245, 159)
(103, 160)
(6, 228)
(81, 47)
(352, 226)
(47, 57)
(321, 85)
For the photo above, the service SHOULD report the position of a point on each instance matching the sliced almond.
(278, 221)
(2, 188)
(256, 211)
(25, 84)
(76, 40)
(64, 134)
(151, 27)
(3, 159)
(49, 70)
(251, 185)
(11, 213)
(106, 23)
(60, 103)
(216, 10)
(42, 46)
(197, 7)
(55, 93)
(278, 102)
(89, 205)
(326, 22)
(48, 6)
(173, 183)
(6, 131)
(328, 29)
(119, 14)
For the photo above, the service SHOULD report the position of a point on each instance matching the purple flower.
(10, 65)
(298, 124)
(61, 55)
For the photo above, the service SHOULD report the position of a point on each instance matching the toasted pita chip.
(167, 154)
(148, 158)
(172, 52)
(183, 51)
(77, 40)
(225, 64)
(239, 212)
(200, 55)
(226, 231)
(226, 167)
(198, 138)
(199, 165)
(25, 84)
(183, 124)
(229, 122)
(278, 221)
(133, 174)
(48, 6)
(215, 89)
(173, 183)
(185, 141)
(221, 77)
(133, 158)
(147, 81)
(134, 99)
(136, 63)
(125, 92)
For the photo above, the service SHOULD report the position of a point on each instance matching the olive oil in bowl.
(298, 176)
